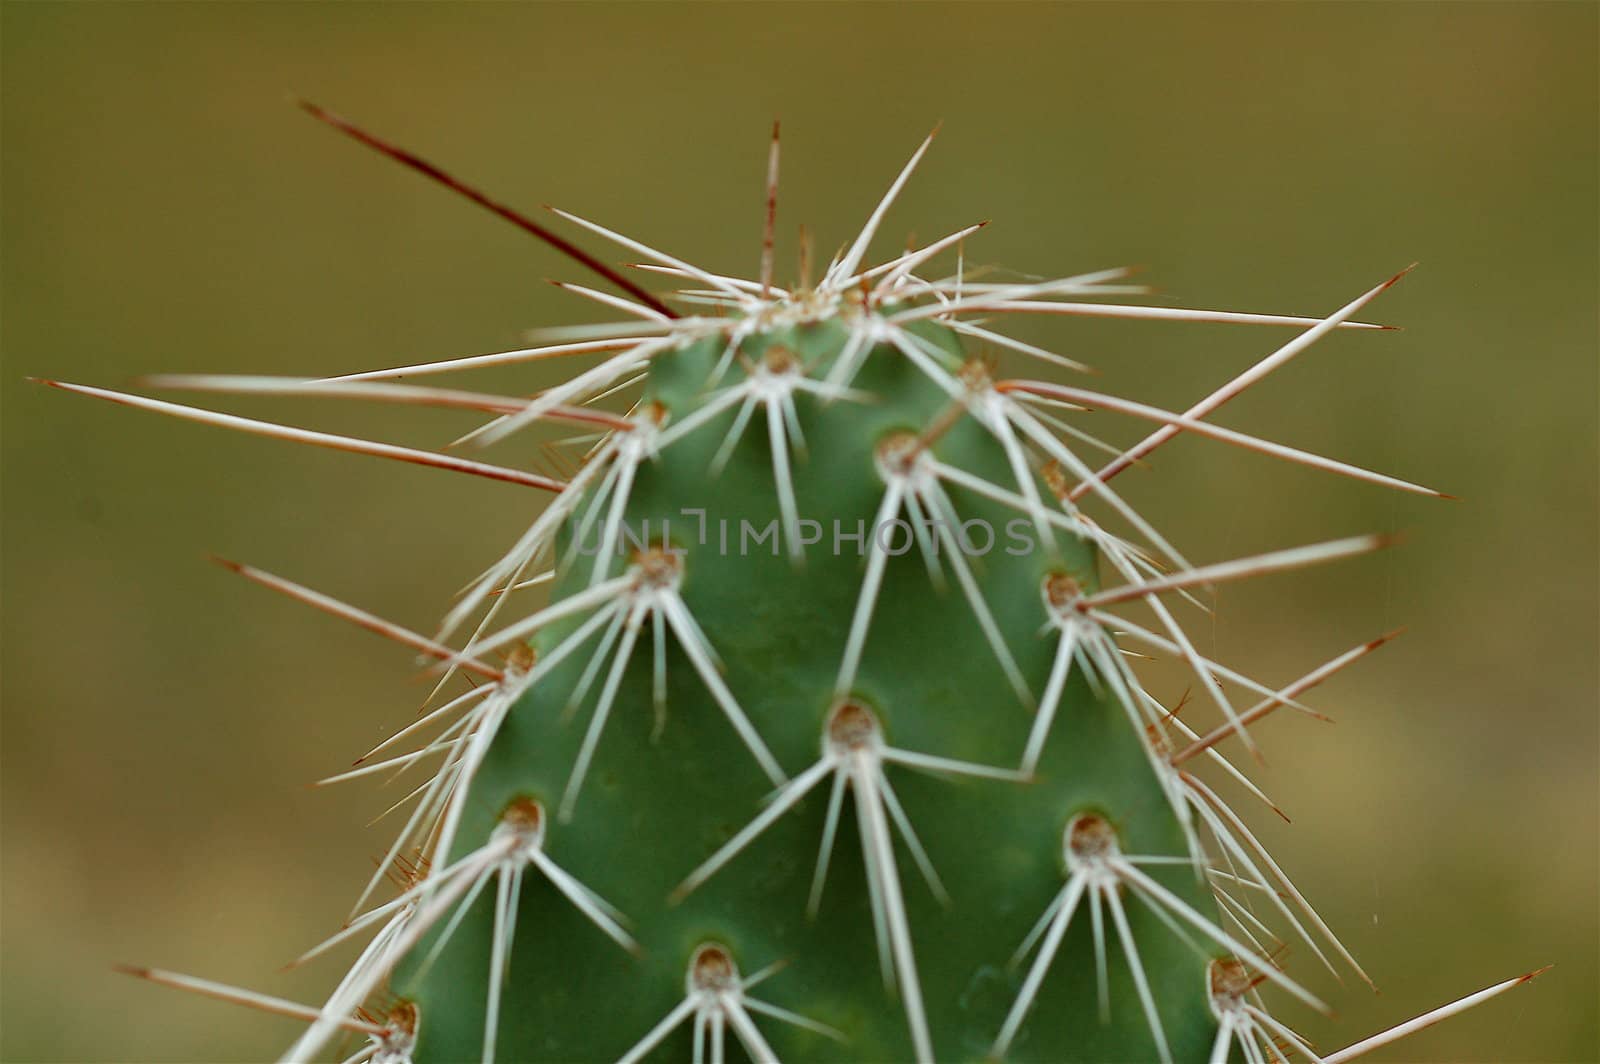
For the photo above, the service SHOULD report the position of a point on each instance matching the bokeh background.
(166, 209)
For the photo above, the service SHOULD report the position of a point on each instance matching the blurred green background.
(166, 209)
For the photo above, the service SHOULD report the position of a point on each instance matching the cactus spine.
(825, 744)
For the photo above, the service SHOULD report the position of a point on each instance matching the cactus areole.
(802, 722)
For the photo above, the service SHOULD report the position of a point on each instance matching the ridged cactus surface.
(804, 723)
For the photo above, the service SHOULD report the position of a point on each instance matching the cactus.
(826, 744)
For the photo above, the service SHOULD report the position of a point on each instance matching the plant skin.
(826, 743)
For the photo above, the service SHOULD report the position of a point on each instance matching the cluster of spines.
(880, 307)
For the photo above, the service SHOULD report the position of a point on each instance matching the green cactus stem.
(802, 723)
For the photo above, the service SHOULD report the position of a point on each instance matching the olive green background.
(166, 209)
